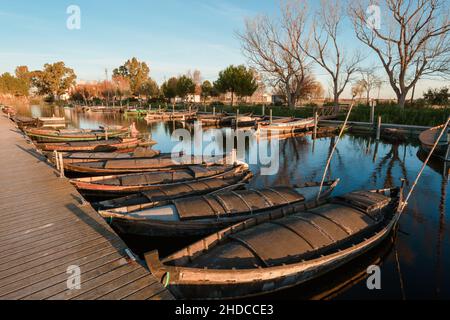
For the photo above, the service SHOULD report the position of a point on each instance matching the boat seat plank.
(327, 226)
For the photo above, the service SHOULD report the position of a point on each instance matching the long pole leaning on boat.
(334, 149)
(405, 203)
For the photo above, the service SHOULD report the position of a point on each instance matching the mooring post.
(56, 159)
(159, 108)
(214, 111)
(234, 156)
(173, 108)
(271, 115)
(316, 123)
(61, 166)
(379, 128)
(237, 118)
(263, 110)
(106, 133)
(372, 111)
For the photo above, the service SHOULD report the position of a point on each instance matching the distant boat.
(428, 138)
(284, 127)
(206, 214)
(287, 248)
(51, 122)
(175, 115)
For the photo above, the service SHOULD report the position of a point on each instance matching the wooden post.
(237, 118)
(173, 108)
(379, 128)
(61, 166)
(263, 110)
(214, 111)
(55, 153)
(159, 108)
(233, 156)
(372, 111)
(271, 116)
(106, 133)
(316, 123)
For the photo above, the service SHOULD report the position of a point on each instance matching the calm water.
(413, 264)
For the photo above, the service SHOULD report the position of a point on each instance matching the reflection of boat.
(120, 185)
(287, 127)
(437, 164)
(428, 139)
(203, 215)
(46, 135)
(290, 247)
(96, 146)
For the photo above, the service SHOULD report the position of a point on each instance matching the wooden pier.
(45, 228)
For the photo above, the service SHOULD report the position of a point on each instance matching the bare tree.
(271, 46)
(413, 43)
(326, 50)
(369, 81)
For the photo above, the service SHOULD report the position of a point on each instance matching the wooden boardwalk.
(45, 228)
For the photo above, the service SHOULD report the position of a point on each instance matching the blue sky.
(172, 36)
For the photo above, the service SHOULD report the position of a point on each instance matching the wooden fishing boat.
(244, 120)
(228, 181)
(287, 127)
(80, 157)
(24, 122)
(203, 215)
(281, 250)
(428, 138)
(46, 135)
(175, 115)
(133, 165)
(210, 119)
(51, 122)
(115, 144)
(115, 186)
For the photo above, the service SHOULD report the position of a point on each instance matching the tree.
(169, 88)
(358, 89)
(121, 86)
(236, 80)
(437, 97)
(150, 89)
(207, 90)
(369, 81)
(185, 86)
(325, 48)
(24, 75)
(10, 84)
(272, 48)
(84, 92)
(55, 79)
(415, 42)
(137, 72)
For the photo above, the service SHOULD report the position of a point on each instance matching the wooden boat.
(175, 115)
(115, 144)
(203, 215)
(428, 138)
(23, 122)
(244, 120)
(281, 250)
(51, 122)
(115, 186)
(229, 181)
(287, 127)
(46, 135)
(80, 157)
(210, 119)
(133, 165)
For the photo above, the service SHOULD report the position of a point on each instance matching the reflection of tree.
(389, 161)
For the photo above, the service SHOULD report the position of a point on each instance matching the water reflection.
(362, 163)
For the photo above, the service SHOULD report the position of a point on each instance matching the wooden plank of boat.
(262, 255)
(427, 139)
(114, 186)
(205, 214)
(66, 135)
(134, 165)
(96, 146)
(151, 198)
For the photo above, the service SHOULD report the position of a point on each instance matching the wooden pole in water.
(237, 118)
(372, 111)
(214, 111)
(106, 133)
(55, 153)
(334, 149)
(379, 128)
(316, 123)
(405, 203)
(271, 115)
(61, 166)
(263, 110)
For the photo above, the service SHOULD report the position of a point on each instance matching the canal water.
(413, 263)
